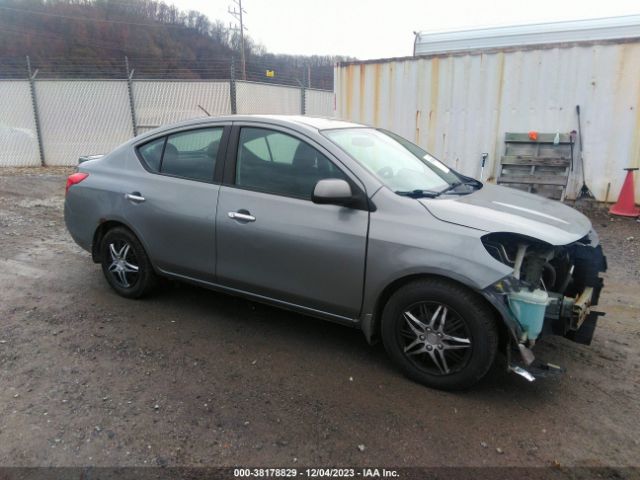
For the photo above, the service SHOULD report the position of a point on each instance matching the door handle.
(135, 197)
(245, 217)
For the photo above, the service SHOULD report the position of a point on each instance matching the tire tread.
(441, 287)
(148, 279)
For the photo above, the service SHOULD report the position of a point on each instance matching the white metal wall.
(267, 99)
(18, 138)
(458, 106)
(82, 117)
(318, 103)
(160, 103)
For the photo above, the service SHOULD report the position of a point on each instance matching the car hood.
(500, 209)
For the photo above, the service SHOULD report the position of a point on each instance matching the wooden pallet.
(536, 166)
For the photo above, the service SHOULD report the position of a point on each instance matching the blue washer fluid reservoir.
(529, 307)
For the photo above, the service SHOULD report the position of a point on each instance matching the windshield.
(399, 164)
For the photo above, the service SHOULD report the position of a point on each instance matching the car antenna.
(203, 109)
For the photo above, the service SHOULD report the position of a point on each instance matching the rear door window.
(192, 154)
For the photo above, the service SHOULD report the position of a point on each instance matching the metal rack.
(537, 166)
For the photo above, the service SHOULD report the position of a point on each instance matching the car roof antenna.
(203, 109)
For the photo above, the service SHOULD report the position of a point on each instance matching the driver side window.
(274, 162)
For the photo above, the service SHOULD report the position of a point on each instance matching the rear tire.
(440, 334)
(125, 264)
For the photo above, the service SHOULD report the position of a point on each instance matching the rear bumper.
(75, 221)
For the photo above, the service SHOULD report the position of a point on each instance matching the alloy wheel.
(124, 266)
(435, 338)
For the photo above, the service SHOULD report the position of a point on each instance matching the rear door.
(272, 240)
(172, 197)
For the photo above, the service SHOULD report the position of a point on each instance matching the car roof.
(317, 123)
(313, 123)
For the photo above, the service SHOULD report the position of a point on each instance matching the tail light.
(73, 179)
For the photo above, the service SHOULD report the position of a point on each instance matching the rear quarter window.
(151, 154)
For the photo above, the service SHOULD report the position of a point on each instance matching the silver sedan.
(348, 223)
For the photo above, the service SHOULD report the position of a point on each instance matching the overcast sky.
(378, 29)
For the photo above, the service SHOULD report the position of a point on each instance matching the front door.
(273, 241)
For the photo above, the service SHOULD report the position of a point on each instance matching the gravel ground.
(194, 378)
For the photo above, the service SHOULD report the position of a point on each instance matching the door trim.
(332, 317)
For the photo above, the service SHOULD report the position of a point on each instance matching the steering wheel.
(386, 172)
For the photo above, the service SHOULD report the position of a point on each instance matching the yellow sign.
(270, 73)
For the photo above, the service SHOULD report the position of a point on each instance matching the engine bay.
(553, 288)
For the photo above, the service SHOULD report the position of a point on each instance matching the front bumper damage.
(569, 311)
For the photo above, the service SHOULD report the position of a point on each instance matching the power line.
(64, 37)
(145, 64)
(87, 19)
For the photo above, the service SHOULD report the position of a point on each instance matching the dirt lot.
(191, 377)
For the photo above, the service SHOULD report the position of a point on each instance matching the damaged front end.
(551, 291)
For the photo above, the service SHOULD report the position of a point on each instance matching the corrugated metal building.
(464, 90)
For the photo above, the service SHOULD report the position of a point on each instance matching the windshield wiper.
(450, 187)
(418, 193)
(427, 193)
(472, 182)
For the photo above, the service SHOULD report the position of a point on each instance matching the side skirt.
(351, 322)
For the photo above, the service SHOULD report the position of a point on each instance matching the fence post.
(232, 87)
(34, 103)
(132, 104)
(303, 96)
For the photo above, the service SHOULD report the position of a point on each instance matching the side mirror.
(332, 191)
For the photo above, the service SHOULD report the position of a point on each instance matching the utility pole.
(238, 15)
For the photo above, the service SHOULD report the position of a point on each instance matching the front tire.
(125, 264)
(439, 333)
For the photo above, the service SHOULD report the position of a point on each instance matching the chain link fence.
(260, 98)
(53, 122)
(163, 102)
(18, 137)
(79, 117)
(318, 103)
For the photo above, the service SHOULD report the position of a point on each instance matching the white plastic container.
(529, 307)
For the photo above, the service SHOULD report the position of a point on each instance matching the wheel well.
(401, 282)
(100, 232)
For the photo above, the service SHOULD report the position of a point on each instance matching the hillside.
(90, 39)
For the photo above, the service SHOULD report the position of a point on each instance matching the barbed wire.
(148, 69)
(17, 21)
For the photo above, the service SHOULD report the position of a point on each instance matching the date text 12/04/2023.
(315, 473)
